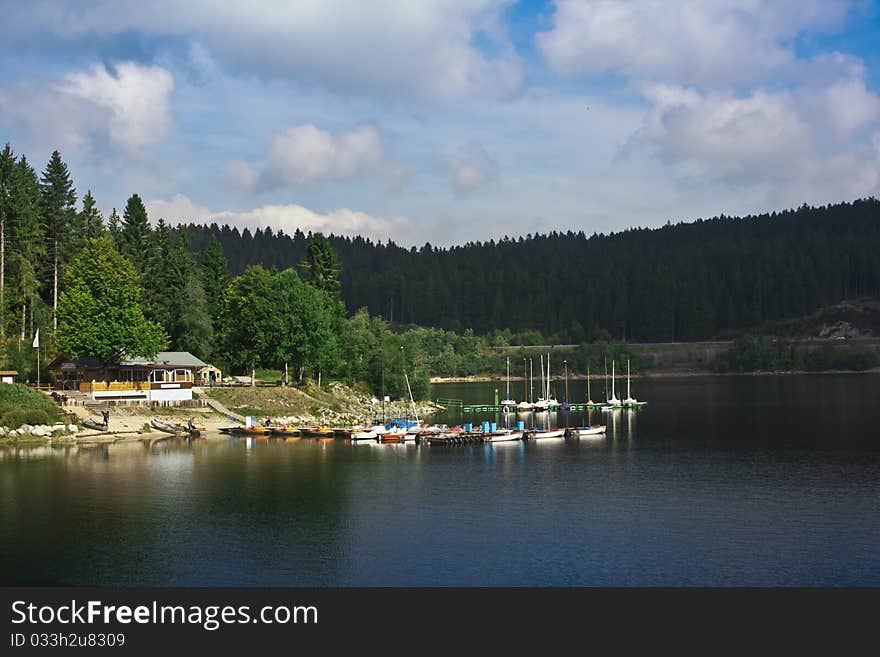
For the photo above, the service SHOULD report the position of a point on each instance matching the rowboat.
(546, 433)
(91, 424)
(504, 435)
(247, 431)
(594, 430)
(316, 432)
(168, 427)
(285, 431)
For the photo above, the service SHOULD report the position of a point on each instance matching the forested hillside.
(686, 281)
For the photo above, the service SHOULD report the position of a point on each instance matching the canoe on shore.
(92, 424)
(175, 429)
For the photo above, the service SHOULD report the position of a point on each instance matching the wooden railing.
(107, 386)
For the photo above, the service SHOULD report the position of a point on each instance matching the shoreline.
(667, 374)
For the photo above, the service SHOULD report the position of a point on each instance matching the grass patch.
(21, 405)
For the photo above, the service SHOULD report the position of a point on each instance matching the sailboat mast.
(613, 394)
(542, 377)
(525, 380)
(508, 378)
(589, 396)
(531, 380)
(628, 396)
(406, 378)
(548, 376)
(565, 365)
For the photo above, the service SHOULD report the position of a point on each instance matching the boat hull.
(552, 433)
(580, 432)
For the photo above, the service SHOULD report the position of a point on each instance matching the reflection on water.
(725, 481)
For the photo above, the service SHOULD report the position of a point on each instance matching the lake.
(729, 481)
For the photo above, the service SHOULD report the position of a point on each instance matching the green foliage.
(249, 319)
(99, 312)
(215, 276)
(20, 405)
(322, 264)
(306, 325)
(91, 221)
(681, 282)
(134, 234)
(752, 354)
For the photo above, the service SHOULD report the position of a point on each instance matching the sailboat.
(566, 404)
(508, 404)
(590, 429)
(541, 405)
(613, 401)
(552, 404)
(630, 401)
(524, 406)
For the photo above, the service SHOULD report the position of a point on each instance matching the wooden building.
(169, 376)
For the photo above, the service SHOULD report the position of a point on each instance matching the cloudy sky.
(448, 120)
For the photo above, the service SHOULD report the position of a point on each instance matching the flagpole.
(36, 346)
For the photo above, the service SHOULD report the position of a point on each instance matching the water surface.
(718, 481)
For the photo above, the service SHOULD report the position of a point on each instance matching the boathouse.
(8, 376)
(169, 376)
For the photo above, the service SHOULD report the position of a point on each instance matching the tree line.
(682, 282)
(313, 306)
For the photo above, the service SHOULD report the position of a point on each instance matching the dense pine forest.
(687, 281)
(311, 306)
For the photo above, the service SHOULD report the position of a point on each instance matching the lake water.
(719, 481)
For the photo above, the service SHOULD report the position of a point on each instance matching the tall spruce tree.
(134, 235)
(7, 167)
(91, 220)
(27, 240)
(59, 212)
(322, 264)
(215, 276)
(114, 228)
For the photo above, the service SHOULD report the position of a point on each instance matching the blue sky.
(449, 121)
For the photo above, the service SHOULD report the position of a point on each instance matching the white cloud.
(127, 107)
(423, 48)
(473, 167)
(305, 155)
(287, 217)
(711, 42)
(805, 145)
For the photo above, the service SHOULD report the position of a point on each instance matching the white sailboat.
(552, 404)
(630, 401)
(508, 404)
(613, 401)
(524, 406)
(541, 405)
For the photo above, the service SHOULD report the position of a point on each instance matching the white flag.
(37, 339)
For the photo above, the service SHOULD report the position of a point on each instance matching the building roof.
(8, 373)
(168, 359)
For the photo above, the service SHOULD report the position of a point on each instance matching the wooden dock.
(497, 409)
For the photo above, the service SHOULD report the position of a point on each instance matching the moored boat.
(316, 432)
(546, 433)
(594, 430)
(504, 435)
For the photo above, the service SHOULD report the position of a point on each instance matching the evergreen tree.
(215, 276)
(91, 220)
(114, 229)
(134, 234)
(7, 165)
(59, 213)
(26, 238)
(193, 330)
(322, 264)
